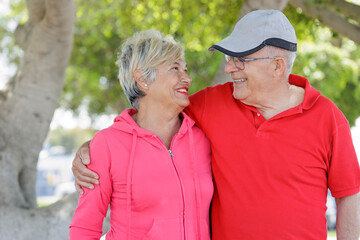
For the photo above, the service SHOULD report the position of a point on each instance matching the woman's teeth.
(182, 90)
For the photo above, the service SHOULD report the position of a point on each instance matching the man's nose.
(230, 67)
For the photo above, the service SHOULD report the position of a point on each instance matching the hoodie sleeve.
(93, 204)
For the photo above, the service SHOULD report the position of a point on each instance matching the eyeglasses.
(243, 60)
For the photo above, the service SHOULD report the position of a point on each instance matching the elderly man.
(277, 143)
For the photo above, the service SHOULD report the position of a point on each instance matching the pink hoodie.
(153, 192)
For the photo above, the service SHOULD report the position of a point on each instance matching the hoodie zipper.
(181, 188)
(178, 176)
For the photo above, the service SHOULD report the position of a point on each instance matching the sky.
(66, 118)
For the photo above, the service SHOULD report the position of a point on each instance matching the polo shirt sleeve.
(344, 171)
(93, 204)
(195, 110)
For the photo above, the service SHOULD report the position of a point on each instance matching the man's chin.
(236, 96)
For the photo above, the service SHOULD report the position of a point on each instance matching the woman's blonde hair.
(146, 51)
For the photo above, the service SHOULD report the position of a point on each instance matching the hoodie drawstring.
(129, 181)
(196, 182)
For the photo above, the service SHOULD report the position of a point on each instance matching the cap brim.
(223, 46)
(235, 54)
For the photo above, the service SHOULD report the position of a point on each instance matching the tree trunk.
(26, 110)
(248, 6)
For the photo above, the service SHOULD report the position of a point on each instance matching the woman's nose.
(186, 77)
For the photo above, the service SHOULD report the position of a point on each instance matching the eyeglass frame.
(243, 60)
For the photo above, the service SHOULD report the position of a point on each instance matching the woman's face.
(170, 88)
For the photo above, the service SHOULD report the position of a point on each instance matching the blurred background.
(91, 96)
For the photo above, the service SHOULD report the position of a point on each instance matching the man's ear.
(279, 66)
(138, 76)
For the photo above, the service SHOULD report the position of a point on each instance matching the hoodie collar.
(126, 123)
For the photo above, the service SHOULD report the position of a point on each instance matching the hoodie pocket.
(165, 229)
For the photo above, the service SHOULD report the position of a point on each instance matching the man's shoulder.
(210, 98)
(219, 89)
(332, 109)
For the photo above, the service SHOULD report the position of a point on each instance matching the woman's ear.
(140, 79)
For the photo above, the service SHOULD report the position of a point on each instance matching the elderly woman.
(157, 181)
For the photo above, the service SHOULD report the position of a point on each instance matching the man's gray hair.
(287, 55)
(145, 51)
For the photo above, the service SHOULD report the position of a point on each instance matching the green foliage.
(325, 65)
(331, 233)
(305, 27)
(330, 62)
(70, 139)
(103, 26)
(8, 22)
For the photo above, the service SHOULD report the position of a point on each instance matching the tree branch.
(250, 6)
(2, 96)
(57, 14)
(329, 18)
(36, 9)
(35, 92)
(51, 222)
(347, 9)
(4, 93)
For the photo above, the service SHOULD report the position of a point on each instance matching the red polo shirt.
(271, 176)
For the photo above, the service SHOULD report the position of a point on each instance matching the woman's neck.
(164, 124)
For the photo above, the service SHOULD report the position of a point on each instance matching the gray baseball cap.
(256, 30)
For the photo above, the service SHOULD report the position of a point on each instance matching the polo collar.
(310, 97)
(311, 94)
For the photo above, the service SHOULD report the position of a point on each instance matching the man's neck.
(280, 101)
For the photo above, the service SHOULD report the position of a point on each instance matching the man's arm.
(348, 217)
(83, 176)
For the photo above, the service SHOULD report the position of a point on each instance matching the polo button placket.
(260, 123)
(258, 120)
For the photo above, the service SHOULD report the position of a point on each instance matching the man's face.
(254, 81)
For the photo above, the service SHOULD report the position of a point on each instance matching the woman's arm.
(93, 204)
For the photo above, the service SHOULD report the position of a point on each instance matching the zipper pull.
(170, 152)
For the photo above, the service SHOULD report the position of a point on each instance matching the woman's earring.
(145, 85)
